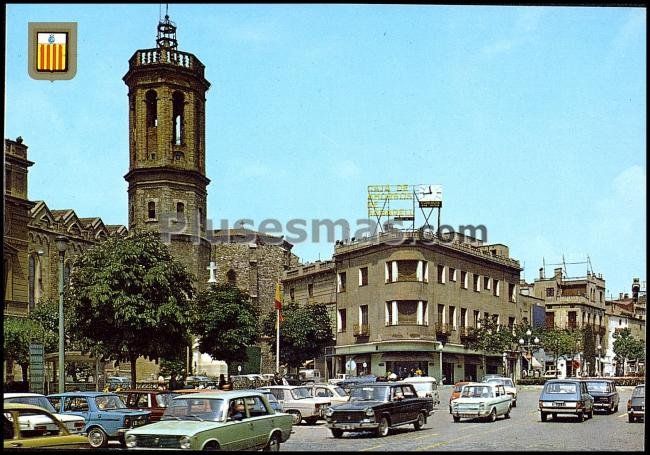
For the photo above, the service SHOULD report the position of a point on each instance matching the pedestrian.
(173, 383)
(418, 372)
(161, 382)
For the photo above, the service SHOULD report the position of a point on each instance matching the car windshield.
(301, 392)
(270, 397)
(360, 393)
(561, 387)
(596, 386)
(638, 392)
(187, 408)
(475, 391)
(106, 402)
(340, 391)
(163, 399)
(41, 402)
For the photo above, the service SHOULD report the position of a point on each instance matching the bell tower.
(167, 182)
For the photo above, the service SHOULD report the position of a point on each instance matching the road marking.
(623, 415)
(459, 438)
(371, 448)
(427, 436)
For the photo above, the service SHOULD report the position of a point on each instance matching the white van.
(425, 386)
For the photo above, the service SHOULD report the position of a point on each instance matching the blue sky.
(533, 119)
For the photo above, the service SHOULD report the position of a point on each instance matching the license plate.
(559, 403)
(346, 427)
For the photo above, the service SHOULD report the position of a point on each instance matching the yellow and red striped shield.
(51, 52)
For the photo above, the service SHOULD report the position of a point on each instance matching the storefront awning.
(407, 357)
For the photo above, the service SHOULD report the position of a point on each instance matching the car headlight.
(329, 412)
(184, 442)
(370, 412)
(130, 440)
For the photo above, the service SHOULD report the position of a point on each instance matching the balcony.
(442, 329)
(360, 330)
(467, 333)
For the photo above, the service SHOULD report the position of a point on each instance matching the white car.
(335, 393)
(75, 424)
(339, 378)
(481, 400)
(298, 401)
(426, 387)
(510, 387)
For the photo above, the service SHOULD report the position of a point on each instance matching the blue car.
(566, 396)
(107, 417)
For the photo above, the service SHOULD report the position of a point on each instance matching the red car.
(455, 392)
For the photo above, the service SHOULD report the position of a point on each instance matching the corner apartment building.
(408, 299)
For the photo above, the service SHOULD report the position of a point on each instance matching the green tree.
(589, 349)
(561, 342)
(18, 333)
(131, 298)
(225, 322)
(491, 337)
(627, 348)
(304, 332)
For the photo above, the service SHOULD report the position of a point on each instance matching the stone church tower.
(167, 181)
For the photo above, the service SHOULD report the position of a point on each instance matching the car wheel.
(554, 416)
(337, 433)
(616, 408)
(591, 414)
(581, 417)
(383, 427)
(418, 424)
(514, 404)
(97, 438)
(507, 414)
(297, 417)
(449, 409)
(274, 443)
(493, 415)
(630, 418)
(456, 419)
(542, 416)
(212, 445)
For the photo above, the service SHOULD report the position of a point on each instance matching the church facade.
(167, 193)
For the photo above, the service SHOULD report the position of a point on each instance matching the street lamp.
(598, 361)
(528, 345)
(61, 245)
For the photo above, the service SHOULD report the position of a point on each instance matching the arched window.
(151, 101)
(152, 210)
(178, 101)
(232, 277)
(180, 210)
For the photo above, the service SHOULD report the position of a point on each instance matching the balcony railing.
(360, 330)
(158, 56)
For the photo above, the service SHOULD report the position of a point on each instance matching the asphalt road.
(524, 431)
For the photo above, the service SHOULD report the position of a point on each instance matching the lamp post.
(598, 361)
(528, 345)
(61, 245)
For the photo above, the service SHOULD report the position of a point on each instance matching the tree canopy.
(225, 321)
(304, 332)
(131, 298)
(626, 347)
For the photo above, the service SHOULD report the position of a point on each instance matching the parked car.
(553, 374)
(298, 401)
(378, 407)
(154, 401)
(455, 392)
(202, 382)
(51, 433)
(636, 404)
(426, 387)
(339, 377)
(335, 393)
(566, 396)
(204, 421)
(107, 417)
(604, 394)
(74, 424)
(481, 400)
(507, 383)
(275, 404)
(118, 382)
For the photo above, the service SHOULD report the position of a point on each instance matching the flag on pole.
(278, 301)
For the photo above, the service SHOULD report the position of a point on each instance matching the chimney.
(558, 273)
(541, 273)
(635, 289)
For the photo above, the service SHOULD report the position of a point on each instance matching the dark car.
(636, 404)
(566, 396)
(604, 393)
(155, 401)
(378, 407)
